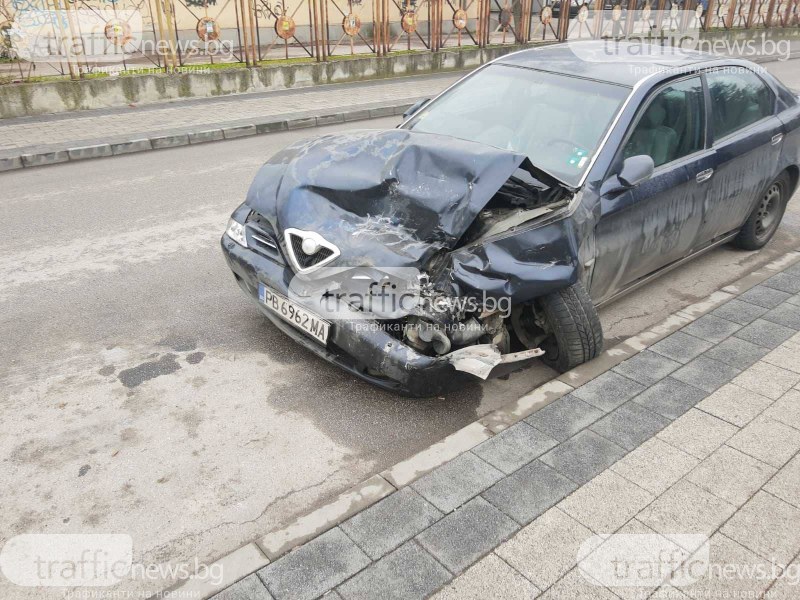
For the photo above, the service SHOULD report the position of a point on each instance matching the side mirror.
(415, 108)
(635, 170)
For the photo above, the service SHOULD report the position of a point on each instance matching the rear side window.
(672, 124)
(738, 98)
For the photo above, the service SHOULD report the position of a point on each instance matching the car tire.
(763, 222)
(575, 334)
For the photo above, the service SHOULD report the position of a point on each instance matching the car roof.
(619, 63)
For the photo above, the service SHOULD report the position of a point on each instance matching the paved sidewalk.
(695, 438)
(201, 120)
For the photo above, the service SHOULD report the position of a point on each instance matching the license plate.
(302, 319)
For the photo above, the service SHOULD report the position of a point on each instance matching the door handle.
(777, 139)
(704, 175)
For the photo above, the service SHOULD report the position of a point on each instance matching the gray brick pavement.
(704, 442)
(89, 134)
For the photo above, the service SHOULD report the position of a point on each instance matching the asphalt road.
(141, 392)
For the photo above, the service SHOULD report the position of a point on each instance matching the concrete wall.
(61, 96)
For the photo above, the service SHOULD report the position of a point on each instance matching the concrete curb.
(203, 134)
(52, 156)
(362, 496)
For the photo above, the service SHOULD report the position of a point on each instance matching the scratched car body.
(552, 181)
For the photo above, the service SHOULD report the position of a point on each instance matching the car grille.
(261, 237)
(307, 260)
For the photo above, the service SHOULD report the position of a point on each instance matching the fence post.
(770, 13)
(708, 17)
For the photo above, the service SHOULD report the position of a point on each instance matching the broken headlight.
(235, 231)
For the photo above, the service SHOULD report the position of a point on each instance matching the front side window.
(555, 120)
(672, 124)
(738, 98)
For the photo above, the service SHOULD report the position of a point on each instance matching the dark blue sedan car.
(534, 190)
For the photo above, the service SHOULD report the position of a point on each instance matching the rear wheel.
(765, 218)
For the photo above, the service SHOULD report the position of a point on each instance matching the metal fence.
(181, 33)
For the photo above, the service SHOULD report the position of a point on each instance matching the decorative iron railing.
(174, 34)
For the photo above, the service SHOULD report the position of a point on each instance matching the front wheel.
(574, 333)
(765, 218)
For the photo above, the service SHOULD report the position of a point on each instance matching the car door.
(655, 223)
(747, 138)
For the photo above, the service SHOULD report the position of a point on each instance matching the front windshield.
(555, 120)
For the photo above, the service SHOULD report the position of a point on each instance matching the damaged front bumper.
(364, 348)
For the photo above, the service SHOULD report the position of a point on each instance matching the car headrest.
(655, 115)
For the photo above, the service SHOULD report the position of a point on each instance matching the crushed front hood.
(385, 198)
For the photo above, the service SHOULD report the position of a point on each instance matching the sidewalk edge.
(279, 542)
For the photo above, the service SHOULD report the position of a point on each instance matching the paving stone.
(655, 465)
(574, 585)
(455, 482)
(767, 297)
(737, 353)
(786, 356)
(630, 425)
(734, 404)
(794, 300)
(784, 282)
(681, 347)
(765, 333)
(647, 367)
(768, 526)
(697, 433)
(606, 503)
(310, 570)
(767, 440)
(627, 580)
(387, 524)
(515, 447)
(786, 409)
(231, 568)
(685, 508)
(768, 380)
(528, 492)
(717, 581)
(731, 475)
(405, 574)
(583, 456)
(786, 483)
(706, 373)
(786, 588)
(466, 534)
(565, 417)
(793, 270)
(711, 328)
(249, 588)
(491, 577)
(667, 592)
(786, 314)
(739, 312)
(547, 548)
(670, 397)
(608, 391)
